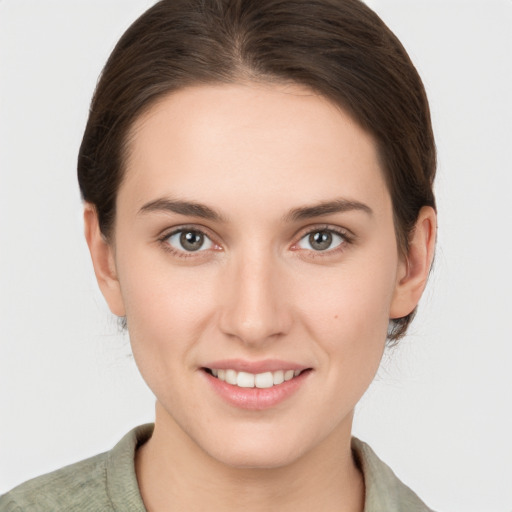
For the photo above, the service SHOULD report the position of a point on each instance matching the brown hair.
(338, 48)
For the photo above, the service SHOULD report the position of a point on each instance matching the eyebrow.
(193, 209)
(189, 208)
(326, 208)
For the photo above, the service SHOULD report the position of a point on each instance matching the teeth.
(288, 374)
(245, 380)
(278, 377)
(251, 380)
(231, 377)
(264, 380)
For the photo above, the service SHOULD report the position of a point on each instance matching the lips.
(255, 385)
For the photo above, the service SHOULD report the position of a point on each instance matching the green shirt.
(107, 482)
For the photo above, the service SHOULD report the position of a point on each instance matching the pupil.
(191, 241)
(321, 240)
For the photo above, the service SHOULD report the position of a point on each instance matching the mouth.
(263, 380)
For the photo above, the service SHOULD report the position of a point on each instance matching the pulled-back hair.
(338, 48)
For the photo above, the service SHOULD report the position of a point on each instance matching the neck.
(174, 473)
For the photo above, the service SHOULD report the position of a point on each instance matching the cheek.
(347, 312)
(166, 308)
(350, 300)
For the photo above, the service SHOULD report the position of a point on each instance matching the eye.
(189, 240)
(321, 240)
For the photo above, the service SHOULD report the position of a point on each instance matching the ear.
(414, 268)
(102, 254)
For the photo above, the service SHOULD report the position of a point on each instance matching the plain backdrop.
(440, 410)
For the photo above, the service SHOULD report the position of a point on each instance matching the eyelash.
(347, 239)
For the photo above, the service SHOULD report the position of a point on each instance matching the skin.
(254, 154)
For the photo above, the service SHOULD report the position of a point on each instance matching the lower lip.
(256, 399)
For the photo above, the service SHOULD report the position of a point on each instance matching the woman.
(257, 179)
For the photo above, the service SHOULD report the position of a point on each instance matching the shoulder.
(383, 489)
(104, 482)
(67, 488)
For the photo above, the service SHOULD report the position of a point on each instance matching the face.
(254, 246)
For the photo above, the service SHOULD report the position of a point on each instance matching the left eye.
(321, 240)
(189, 240)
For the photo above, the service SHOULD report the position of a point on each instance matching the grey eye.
(189, 240)
(321, 240)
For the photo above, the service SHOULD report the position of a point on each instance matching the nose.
(255, 308)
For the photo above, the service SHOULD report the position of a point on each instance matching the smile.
(253, 380)
(255, 385)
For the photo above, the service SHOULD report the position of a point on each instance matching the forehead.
(273, 143)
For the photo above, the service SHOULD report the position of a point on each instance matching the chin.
(259, 446)
(258, 456)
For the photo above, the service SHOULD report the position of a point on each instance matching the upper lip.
(266, 365)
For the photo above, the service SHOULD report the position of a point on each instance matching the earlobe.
(103, 261)
(415, 268)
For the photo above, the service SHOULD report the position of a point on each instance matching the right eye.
(189, 240)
